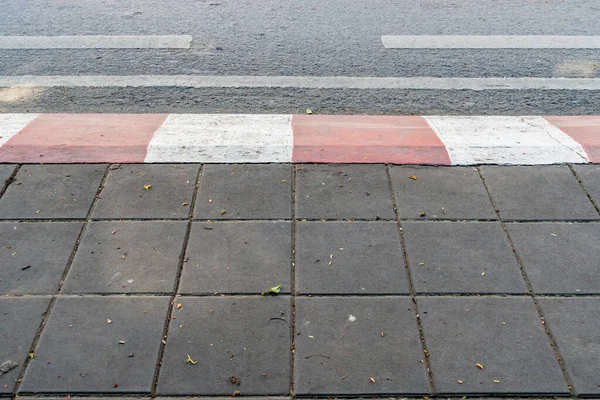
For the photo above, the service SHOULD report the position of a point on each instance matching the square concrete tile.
(243, 337)
(575, 325)
(6, 171)
(52, 191)
(461, 257)
(538, 192)
(349, 258)
(504, 335)
(34, 255)
(590, 176)
(245, 192)
(343, 192)
(20, 317)
(441, 193)
(125, 195)
(237, 257)
(339, 347)
(139, 257)
(80, 352)
(559, 257)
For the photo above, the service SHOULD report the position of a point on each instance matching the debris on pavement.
(275, 289)
(7, 366)
(190, 361)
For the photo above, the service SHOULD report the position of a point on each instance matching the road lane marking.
(96, 42)
(218, 138)
(489, 42)
(303, 82)
(505, 140)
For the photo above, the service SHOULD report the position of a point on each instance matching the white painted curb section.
(505, 140)
(11, 124)
(221, 138)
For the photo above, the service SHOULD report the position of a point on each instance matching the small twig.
(283, 319)
(24, 268)
(317, 355)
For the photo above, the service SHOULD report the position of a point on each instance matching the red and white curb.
(259, 138)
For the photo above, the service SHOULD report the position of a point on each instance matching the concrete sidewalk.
(154, 279)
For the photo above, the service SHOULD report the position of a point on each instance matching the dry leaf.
(235, 380)
(190, 361)
(109, 321)
(413, 177)
(179, 305)
(309, 111)
(372, 380)
(236, 393)
(422, 214)
(223, 212)
(496, 381)
(147, 187)
(479, 366)
(185, 203)
(461, 382)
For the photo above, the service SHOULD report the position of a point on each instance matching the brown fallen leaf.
(461, 382)
(179, 305)
(236, 393)
(108, 321)
(422, 214)
(185, 203)
(413, 177)
(372, 380)
(223, 212)
(479, 366)
(235, 380)
(147, 187)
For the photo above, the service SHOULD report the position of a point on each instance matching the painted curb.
(265, 138)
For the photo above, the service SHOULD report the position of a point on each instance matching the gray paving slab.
(349, 258)
(127, 257)
(461, 257)
(232, 339)
(34, 255)
(341, 343)
(538, 192)
(6, 171)
(440, 193)
(20, 317)
(238, 257)
(51, 191)
(504, 335)
(575, 325)
(80, 349)
(245, 192)
(343, 192)
(590, 177)
(147, 191)
(559, 257)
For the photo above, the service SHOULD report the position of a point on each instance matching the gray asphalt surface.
(307, 38)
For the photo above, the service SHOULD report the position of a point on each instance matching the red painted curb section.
(366, 139)
(583, 129)
(84, 138)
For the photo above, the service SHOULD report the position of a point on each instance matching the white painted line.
(11, 124)
(303, 82)
(505, 140)
(96, 42)
(222, 138)
(490, 42)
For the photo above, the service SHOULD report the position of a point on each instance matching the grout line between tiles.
(411, 284)
(552, 341)
(293, 285)
(587, 193)
(177, 284)
(12, 178)
(53, 298)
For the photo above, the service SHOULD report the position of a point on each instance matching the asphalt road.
(301, 38)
